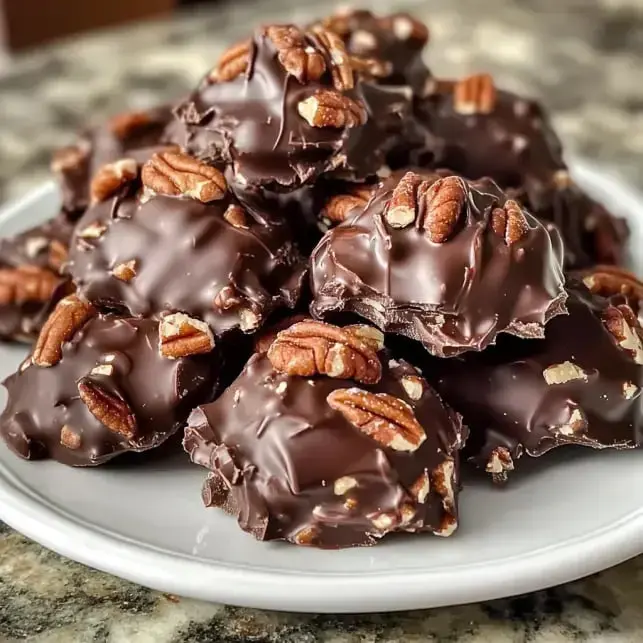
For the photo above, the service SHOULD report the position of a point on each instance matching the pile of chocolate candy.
(338, 278)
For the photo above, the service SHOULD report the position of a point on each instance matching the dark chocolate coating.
(253, 122)
(507, 402)
(453, 296)
(276, 449)
(100, 145)
(22, 320)
(186, 254)
(159, 391)
(514, 144)
(398, 39)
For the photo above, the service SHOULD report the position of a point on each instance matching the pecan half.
(339, 207)
(296, 56)
(385, 418)
(180, 336)
(403, 206)
(623, 325)
(232, 63)
(475, 95)
(125, 125)
(111, 177)
(509, 222)
(177, 174)
(125, 271)
(329, 108)
(608, 281)
(341, 68)
(69, 315)
(310, 348)
(26, 283)
(443, 203)
(108, 409)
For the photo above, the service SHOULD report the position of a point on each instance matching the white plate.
(574, 514)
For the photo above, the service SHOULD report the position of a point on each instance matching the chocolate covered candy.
(130, 135)
(323, 442)
(290, 105)
(397, 40)
(581, 385)
(98, 386)
(442, 260)
(176, 239)
(30, 265)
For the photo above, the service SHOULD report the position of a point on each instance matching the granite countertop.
(583, 58)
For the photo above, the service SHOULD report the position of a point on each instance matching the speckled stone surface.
(583, 58)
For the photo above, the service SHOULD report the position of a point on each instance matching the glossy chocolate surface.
(453, 296)
(253, 122)
(159, 391)
(187, 258)
(277, 450)
(579, 385)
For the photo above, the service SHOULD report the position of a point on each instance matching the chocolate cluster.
(338, 277)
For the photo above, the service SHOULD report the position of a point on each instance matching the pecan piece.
(370, 68)
(111, 177)
(339, 207)
(499, 464)
(69, 438)
(109, 409)
(235, 215)
(177, 174)
(341, 68)
(57, 255)
(413, 386)
(444, 201)
(94, 230)
(563, 373)
(623, 325)
(608, 281)
(402, 208)
(509, 222)
(295, 55)
(310, 348)
(421, 488)
(475, 95)
(180, 336)
(232, 63)
(406, 27)
(125, 271)
(69, 315)
(69, 159)
(26, 283)
(383, 417)
(127, 124)
(329, 108)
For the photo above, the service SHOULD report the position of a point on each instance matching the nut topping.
(444, 201)
(421, 487)
(621, 322)
(370, 68)
(175, 173)
(111, 411)
(235, 215)
(311, 348)
(125, 271)
(403, 206)
(26, 283)
(94, 230)
(68, 159)
(69, 438)
(499, 465)
(370, 335)
(339, 207)
(57, 255)
(341, 69)
(384, 418)
(180, 336)
(295, 55)
(563, 373)
(509, 222)
(329, 108)
(413, 385)
(232, 63)
(343, 484)
(475, 95)
(69, 315)
(608, 281)
(111, 178)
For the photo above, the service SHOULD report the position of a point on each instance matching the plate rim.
(294, 591)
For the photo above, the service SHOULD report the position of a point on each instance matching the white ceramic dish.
(575, 514)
